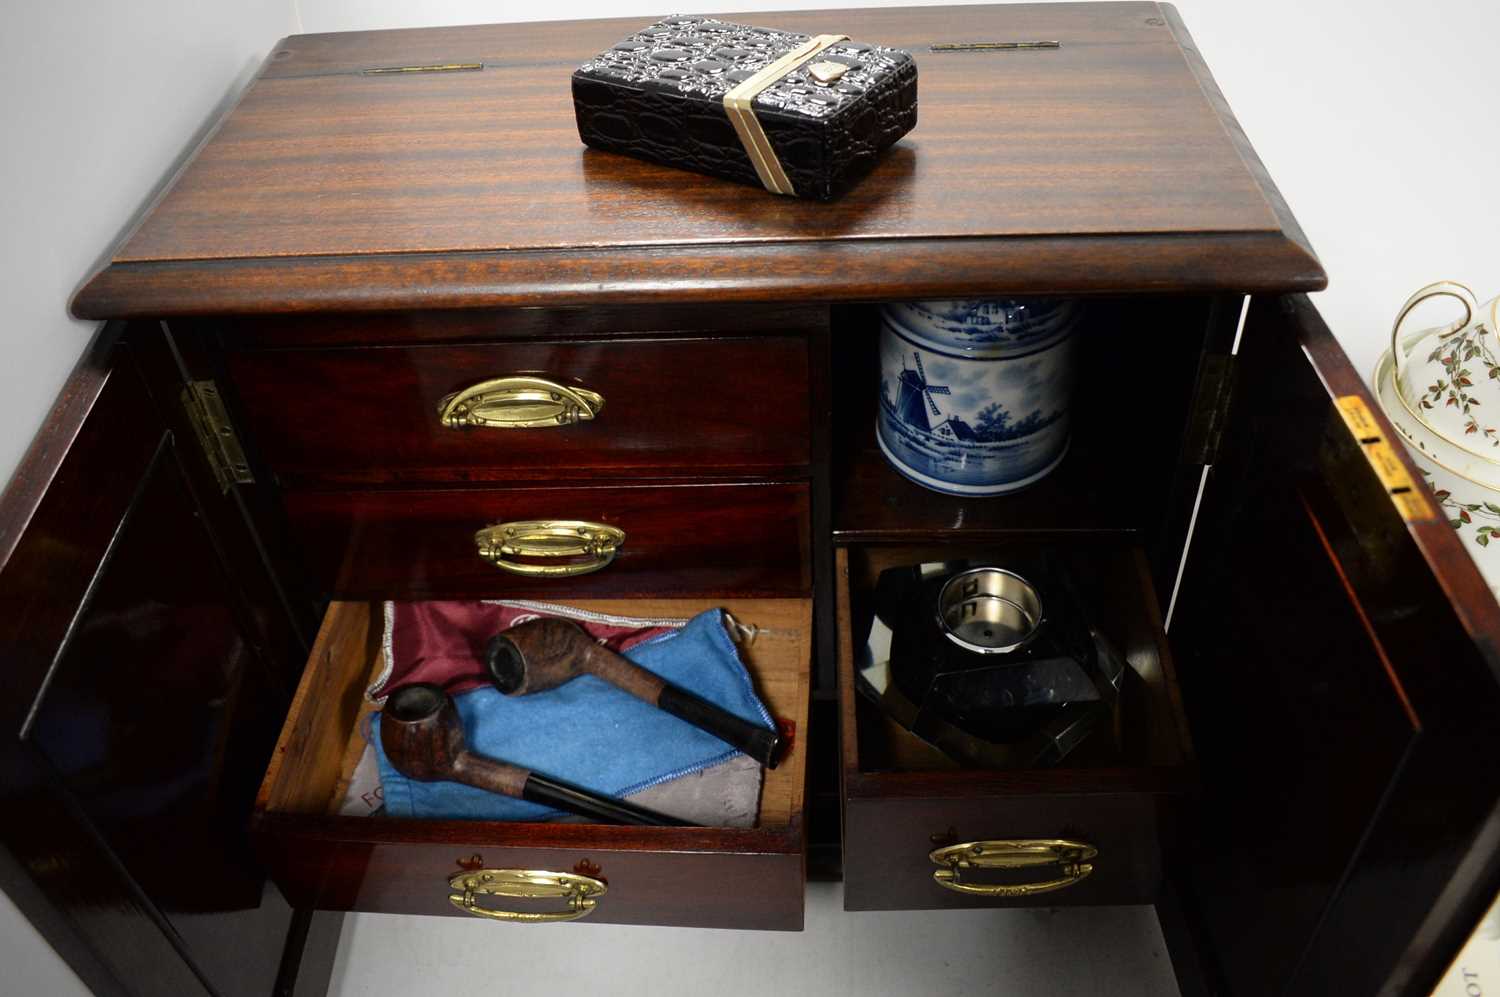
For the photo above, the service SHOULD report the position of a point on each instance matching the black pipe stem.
(760, 743)
(587, 803)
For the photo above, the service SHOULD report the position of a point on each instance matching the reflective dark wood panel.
(750, 538)
(671, 406)
(159, 721)
(139, 701)
(1341, 669)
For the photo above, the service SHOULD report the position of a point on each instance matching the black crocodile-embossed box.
(659, 95)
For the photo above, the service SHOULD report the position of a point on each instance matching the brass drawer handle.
(519, 401)
(581, 893)
(580, 546)
(1028, 853)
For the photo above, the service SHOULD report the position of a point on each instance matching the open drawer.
(903, 801)
(700, 877)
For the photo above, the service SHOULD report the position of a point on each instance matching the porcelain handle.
(1441, 289)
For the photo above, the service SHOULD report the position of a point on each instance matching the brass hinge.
(221, 447)
(1210, 408)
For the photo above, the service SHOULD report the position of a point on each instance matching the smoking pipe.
(424, 740)
(544, 653)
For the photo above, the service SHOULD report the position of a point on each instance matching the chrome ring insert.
(989, 610)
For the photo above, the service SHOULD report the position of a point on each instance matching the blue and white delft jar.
(974, 394)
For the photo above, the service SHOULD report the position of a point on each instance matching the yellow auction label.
(1357, 416)
(1408, 497)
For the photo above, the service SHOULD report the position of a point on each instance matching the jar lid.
(985, 327)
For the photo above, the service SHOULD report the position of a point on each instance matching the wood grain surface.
(344, 189)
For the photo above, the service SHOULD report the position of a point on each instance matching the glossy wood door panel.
(701, 877)
(59, 516)
(139, 702)
(901, 800)
(329, 189)
(155, 719)
(671, 406)
(1340, 669)
(698, 539)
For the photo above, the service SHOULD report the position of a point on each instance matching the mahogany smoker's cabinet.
(395, 238)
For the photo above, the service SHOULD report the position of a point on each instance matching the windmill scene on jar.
(915, 391)
(954, 426)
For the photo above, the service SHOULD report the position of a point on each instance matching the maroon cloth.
(443, 642)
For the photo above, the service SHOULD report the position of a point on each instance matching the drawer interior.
(326, 860)
(324, 735)
(1115, 584)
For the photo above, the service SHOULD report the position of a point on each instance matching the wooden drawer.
(704, 539)
(671, 406)
(902, 800)
(700, 877)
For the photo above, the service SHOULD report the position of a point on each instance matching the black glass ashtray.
(996, 665)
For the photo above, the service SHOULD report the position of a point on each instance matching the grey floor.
(1063, 952)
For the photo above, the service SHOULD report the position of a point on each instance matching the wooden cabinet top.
(1110, 163)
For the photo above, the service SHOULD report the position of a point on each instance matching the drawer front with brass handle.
(921, 833)
(551, 542)
(461, 413)
(701, 878)
(907, 854)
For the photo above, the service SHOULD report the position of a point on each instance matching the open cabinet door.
(1338, 656)
(143, 670)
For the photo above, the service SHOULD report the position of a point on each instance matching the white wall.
(98, 103)
(31, 967)
(1377, 119)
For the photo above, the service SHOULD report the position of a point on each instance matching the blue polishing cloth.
(589, 733)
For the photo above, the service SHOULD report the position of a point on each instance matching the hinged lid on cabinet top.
(441, 167)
